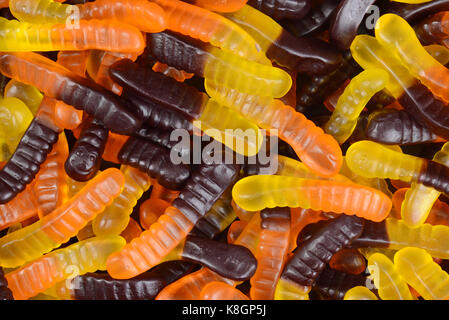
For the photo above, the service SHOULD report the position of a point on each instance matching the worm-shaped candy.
(57, 82)
(210, 27)
(422, 273)
(31, 242)
(311, 257)
(398, 36)
(258, 192)
(319, 151)
(397, 127)
(215, 120)
(419, 199)
(115, 217)
(155, 161)
(387, 279)
(93, 286)
(351, 103)
(144, 15)
(156, 115)
(395, 234)
(271, 253)
(50, 184)
(190, 286)
(114, 35)
(19, 209)
(413, 96)
(203, 188)
(370, 159)
(312, 56)
(218, 65)
(30, 153)
(228, 260)
(86, 256)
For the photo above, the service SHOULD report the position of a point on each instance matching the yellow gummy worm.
(422, 273)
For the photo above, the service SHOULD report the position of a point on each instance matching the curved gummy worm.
(352, 101)
(215, 120)
(422, 273)
(420, 199)
(387, 279)
(319, 151)
(312, 56)
(282, 9)
(213, 63)
(398, 36)
(395, 234)
(370, 159)
(24, 164)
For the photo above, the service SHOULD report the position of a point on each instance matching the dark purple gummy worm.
(391, 126)
(311, 257)
(25, 163)
(154, 160)
(84, 159)
(228, 260)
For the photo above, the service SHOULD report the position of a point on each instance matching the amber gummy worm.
(319, 151)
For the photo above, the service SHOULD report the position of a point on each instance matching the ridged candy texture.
(258, 192)
(85, 256)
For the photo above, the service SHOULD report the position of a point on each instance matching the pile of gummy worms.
(94, 207)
